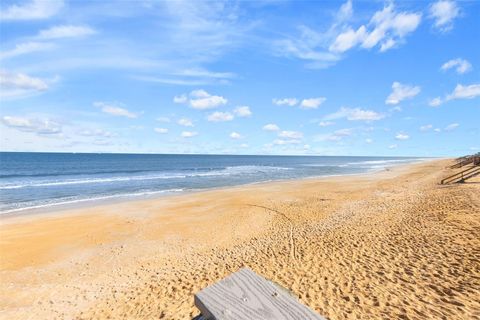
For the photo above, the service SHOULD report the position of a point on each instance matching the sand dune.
(382, 246)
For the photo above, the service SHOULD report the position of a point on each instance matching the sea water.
(42, 180)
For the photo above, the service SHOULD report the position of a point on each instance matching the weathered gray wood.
(244, 295)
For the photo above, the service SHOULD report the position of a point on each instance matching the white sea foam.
(222, 172)
(73, 200)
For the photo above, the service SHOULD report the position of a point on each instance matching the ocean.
(42, 180)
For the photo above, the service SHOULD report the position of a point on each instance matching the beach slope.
(393, 244)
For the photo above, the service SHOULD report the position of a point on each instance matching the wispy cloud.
(161, 130)
(452, 127)
(426, 127)
(95, 133)
(402, 136)
(33, 10)
(435, 102)
(185, 122)
(26, 48)
(203, 30)
(188, 134)
(220, 116)
(271, 127)
(325, 123)
(336, 135)
(19, 85)
(114, 109)
(65, 31)
(386, 29)
(290, 134)
(355, 114)
(282, 142)
(189, 77)
(36, 125)
(285, 102)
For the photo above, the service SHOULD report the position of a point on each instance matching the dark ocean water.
(39, 180)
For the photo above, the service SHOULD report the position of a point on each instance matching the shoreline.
(161, 194)
(389, 244)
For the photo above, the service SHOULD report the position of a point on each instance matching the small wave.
(222, 172)
(68, 201)
(380, 162)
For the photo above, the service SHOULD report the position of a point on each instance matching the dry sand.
(388, 245)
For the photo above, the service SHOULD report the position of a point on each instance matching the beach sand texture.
(389, 245)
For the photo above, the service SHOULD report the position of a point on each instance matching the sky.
(371, 78)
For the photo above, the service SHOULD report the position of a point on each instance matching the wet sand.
(388, 245)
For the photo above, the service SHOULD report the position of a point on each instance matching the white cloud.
(325, 123)
(201, 100)
(452, 127)
(312, 103)
(426, 127)
(161, 130)
(185, 122)
(465, 92)
(461, 65)
(16, 85)
(242, 111)
(271, 127)
(189, 134)
(401, 92)
(235, 135)
(114, 110)
(348, 39)
(285, 101)
(368, 140)
(355, 114)
(96, 133)
(435, 102)
(387, 28)
(244, 145)
(402, 136)
(220, 116)
(163, 119)
(180, 99)
(444, 12)
(282, 142)
(35, 125)
(392, 146)
(437, 130)
(335, 136)
(35, 9)
(65, 31)
(25, 48)
(290, 134)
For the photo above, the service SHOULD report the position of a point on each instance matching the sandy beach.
(388, 245)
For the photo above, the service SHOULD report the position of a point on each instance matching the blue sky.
(248, 77)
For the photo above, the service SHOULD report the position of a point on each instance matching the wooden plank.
(244, 295)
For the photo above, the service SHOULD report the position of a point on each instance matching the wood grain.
(246, 295)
